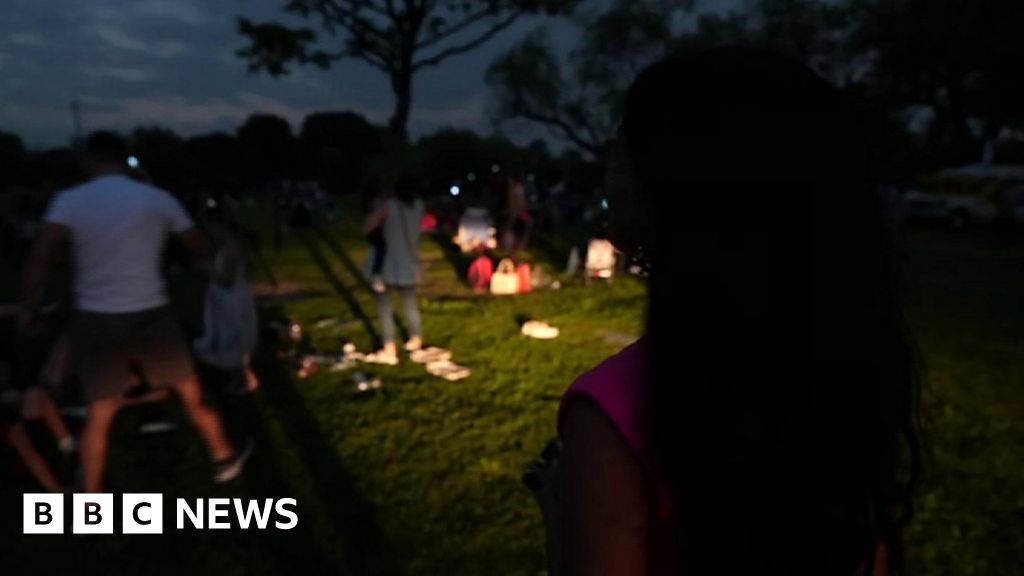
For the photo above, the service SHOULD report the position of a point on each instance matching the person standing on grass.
(118, 229)
(766, 424)
(518, 221)
(399, 217)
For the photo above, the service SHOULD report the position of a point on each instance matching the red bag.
(429, 223)
(480, 273)
(525, 278)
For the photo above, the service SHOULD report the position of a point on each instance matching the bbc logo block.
(93, 514)
(142, 514)
(43, 513)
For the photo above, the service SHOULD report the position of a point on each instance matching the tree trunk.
(398, 126)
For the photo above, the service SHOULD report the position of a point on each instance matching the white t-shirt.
(118, 228)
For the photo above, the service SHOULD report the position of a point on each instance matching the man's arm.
(50, 241)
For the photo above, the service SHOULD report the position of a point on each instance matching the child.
(229, 315)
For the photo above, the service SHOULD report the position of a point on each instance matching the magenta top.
(620, 389)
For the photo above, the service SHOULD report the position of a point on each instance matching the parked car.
(968, 195)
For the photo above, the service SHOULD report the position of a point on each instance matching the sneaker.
(228, 470)
(415, 343)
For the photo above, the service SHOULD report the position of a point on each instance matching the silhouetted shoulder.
(618, 386)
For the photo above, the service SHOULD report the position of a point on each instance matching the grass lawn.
(423, 477)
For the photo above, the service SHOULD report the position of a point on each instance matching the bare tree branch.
(563, 129)
(455, 28)
(468, 46)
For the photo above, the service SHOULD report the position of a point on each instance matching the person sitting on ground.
(118, 229)
(25, 397)
(19, 407)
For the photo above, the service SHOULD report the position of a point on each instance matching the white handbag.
(505, 280)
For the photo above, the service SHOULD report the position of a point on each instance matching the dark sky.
(171, 63)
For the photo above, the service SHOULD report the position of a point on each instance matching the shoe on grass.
(448, 370)
(415, 343)
(428, 355)
(540, 330)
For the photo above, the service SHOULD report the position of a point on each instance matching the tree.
(398, 37)
(335, 146)
(957, 59)
(267, 139)
(162, 155)
(218, 157)
(12, 160)
(580, 104)
(450, 156)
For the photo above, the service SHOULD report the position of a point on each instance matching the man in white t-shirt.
(117, 229)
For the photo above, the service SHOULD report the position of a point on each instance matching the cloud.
(28, 39)
(123, 73)
(117, 37)
(180, 10)
(186, 116)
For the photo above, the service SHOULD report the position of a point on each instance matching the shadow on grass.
(346, 260)
(357, 274)
(553, 253)
(344, 291)
(459, 262)
(337, 501)
(256, 254)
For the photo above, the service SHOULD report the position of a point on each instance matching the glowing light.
(456, 190)
(495, 168)
(604, 204)
(211, 203)
(471, 177)
(133, 162)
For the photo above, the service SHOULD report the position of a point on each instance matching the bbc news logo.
(144, 514)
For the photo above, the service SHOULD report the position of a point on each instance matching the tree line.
(342, 151)
(938, 81)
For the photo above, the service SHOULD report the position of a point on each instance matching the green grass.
(424, 476)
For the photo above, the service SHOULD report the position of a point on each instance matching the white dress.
(402, 236)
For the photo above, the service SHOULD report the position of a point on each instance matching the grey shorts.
(107, 347)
